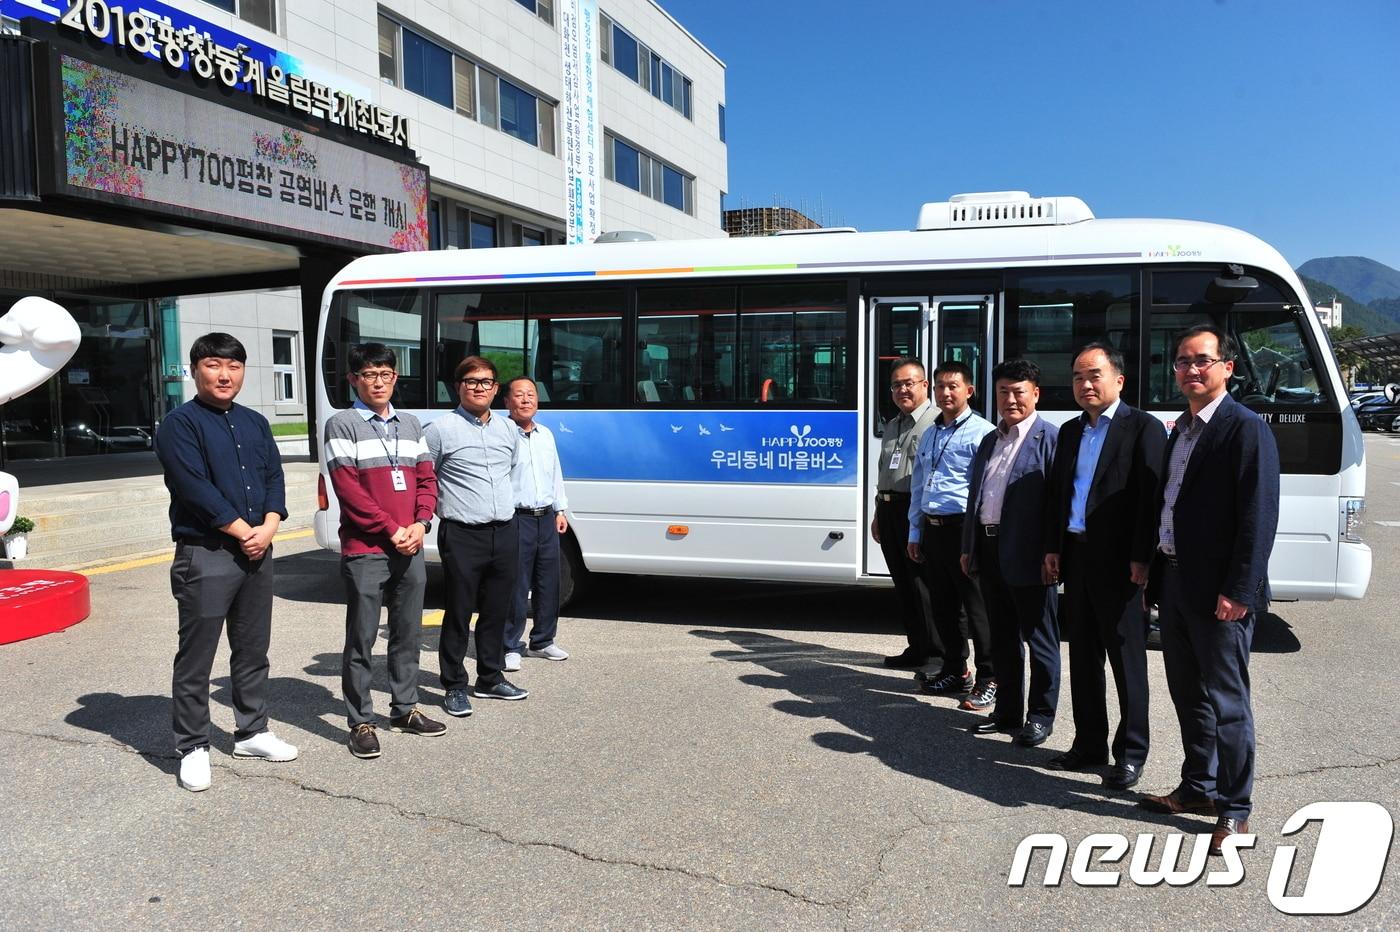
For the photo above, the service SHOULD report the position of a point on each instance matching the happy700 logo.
(1352, 847)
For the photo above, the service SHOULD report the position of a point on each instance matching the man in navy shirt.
(227, 498)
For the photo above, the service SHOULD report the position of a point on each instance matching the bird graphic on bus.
(677, 430)
(563, 429)
(723, 427)
(704, 432)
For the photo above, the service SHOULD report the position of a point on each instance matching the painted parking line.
(433, 619)
(167, 557)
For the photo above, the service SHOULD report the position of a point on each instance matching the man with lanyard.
(538, 484)
(227, 499)
(890, 526)
(379, 466)
(939, 483)
(473, 453)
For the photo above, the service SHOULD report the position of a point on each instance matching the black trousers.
(1207, 664)
(480, 563)
(1105, 618)
(373, 580)
(214, 582)
(957, 601)
(1021, 616)
(892, 518)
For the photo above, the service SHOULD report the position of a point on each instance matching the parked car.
(1379, 414)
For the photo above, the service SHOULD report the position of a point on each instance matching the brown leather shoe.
(1224, 828)
(1177, 803)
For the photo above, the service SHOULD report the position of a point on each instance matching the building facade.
(537, 122)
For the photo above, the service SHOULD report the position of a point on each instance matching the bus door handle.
(836, 535)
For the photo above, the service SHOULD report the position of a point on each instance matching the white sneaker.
(194, 770)
(265, 745)
(552, 652)
(512, 662)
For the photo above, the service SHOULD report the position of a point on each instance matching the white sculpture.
(40, 337)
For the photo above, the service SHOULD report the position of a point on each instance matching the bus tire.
(573, 575)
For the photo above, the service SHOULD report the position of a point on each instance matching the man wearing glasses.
(890, 526)
(474, 452)
(1218, 513)
(939, 485)
(379, 466)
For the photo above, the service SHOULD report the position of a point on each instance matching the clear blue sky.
(1281, 118)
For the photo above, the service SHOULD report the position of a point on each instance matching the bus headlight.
(1353, 513)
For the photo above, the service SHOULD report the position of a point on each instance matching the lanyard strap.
(394, 456)
(952, 432)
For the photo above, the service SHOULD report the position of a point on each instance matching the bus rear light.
(1353, 519)
(677, 530)
(323, 502)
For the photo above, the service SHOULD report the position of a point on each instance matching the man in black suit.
(1099, 541)
(1218, 512)
(1003, 548)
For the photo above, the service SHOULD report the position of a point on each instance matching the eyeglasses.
(477, 383)
(905, 384)
(385, 376)
(1199, 363)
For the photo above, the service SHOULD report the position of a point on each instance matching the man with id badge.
(382, 473)
(939, 483)
(890, 526)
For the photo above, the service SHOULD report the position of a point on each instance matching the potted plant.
(17, 539)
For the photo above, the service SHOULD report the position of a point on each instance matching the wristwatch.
(427, 525)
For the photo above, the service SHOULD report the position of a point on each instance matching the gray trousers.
(373, 580)
(213, 582)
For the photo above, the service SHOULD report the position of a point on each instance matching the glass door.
(29, 424)
(108, 388)
(959, 327)
(897, 329)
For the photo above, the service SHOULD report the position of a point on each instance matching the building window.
(518, 117)
(427, 68)
(9, 27)
(483, 232)
(465, 73)
(544, 9)
(434, 224)
(646, 174)
(262, 13)
(525, 236)
(721, 123)
(388, 50)
(621, 50)
(284, 367)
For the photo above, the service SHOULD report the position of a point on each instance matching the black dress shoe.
(1034, 734)
(990, 726)
(1123, 776)
(906, 659)
(1075, 760)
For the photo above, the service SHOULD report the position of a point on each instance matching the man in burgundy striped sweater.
(382, 474)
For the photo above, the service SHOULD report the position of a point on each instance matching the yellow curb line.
(167, 557)
(433, 619)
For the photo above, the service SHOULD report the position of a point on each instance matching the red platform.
(35, 602)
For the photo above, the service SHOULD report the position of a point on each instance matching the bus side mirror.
(1232, 287)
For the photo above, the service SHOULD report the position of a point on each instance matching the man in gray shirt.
(890, 526)
(473, 452)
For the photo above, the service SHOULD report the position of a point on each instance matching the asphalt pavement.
(713, 755)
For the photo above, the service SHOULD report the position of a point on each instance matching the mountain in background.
(1366, 280)
(1369, 318)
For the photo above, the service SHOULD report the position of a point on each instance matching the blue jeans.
(539, 572)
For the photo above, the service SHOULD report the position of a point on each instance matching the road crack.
(455, 821)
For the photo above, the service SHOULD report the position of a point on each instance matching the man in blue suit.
(1218, 513)
(1003, 546)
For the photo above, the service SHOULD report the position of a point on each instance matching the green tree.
(1350, 361)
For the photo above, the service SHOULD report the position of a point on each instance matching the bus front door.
(932, 329)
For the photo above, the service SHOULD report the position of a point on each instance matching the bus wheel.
(573, 575)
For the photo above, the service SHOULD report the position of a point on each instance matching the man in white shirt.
(537, 482)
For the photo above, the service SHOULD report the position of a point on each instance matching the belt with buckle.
(892, 496)
(943, 520)
(1170, 558)
(535, 512)
(991, 530)
(1079, 537)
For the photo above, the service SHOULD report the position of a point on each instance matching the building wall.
(473, 166)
